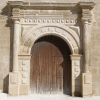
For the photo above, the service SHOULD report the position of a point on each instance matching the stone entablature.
(60, 19)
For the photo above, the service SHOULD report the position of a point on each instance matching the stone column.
(14, 75)
(86, 44)
(86, 75)
(15, 45)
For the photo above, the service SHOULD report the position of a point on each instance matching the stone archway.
(64, 32)
(69, 36)
(63, 26)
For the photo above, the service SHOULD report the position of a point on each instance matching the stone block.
(76, 69)
(24, 75)
(87, 91)
(23, 81)
(13, 78)
(87, 84)
(24, 69)
(76, 63)
(87, 79)
(95, 71)
(24, 89)
(13, 90)
(24, 62)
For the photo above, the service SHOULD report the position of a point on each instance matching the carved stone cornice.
(87, 5)
(50, 5)
(19, 7)
(86, 10)
(43, 5)
(15, 4)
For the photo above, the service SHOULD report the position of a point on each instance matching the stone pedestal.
(13, 84)
(86, 85)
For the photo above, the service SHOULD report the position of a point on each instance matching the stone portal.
(69, 21)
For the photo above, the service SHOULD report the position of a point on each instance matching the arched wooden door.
(50, 70)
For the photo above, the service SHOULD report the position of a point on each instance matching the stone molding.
(21, 4)
(17, 13)
(53, 25)
(64, 32)
(49, 20)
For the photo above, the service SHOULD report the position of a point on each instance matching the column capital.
(86, 20)
(86, 14)
(16, 21)
(76, 57)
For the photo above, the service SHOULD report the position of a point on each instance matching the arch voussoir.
(68, 35)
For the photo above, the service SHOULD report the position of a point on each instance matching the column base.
(87, 85)
(13, 84)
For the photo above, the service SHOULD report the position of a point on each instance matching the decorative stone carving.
(16, 13)
(71, 37)
(59, 25)
(28, 42)
(23, 62)
(87, 79)
(24, 75)
(76, 75)
(23, 81)
(25, 29)
(23, 68)
(76, 63)
(51, 20)
(76, 29)
(24, 50)
(77, 69)
(13, 78)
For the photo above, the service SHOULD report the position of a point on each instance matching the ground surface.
(45, 97)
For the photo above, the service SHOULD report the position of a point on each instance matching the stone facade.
(75, 21)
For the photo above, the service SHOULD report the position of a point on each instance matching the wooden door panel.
(50, 70)
(57, 74)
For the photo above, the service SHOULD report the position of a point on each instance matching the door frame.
(28, 30)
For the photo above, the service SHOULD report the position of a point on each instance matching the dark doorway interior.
(50, 71)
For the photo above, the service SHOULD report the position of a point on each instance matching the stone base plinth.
(13, 84)
(87, 85)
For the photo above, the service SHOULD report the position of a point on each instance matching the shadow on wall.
(78, 82)
(4, 15)
(67, 78)
(5, 84)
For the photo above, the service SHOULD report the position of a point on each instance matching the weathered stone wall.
(6, 44)
(95, 49)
